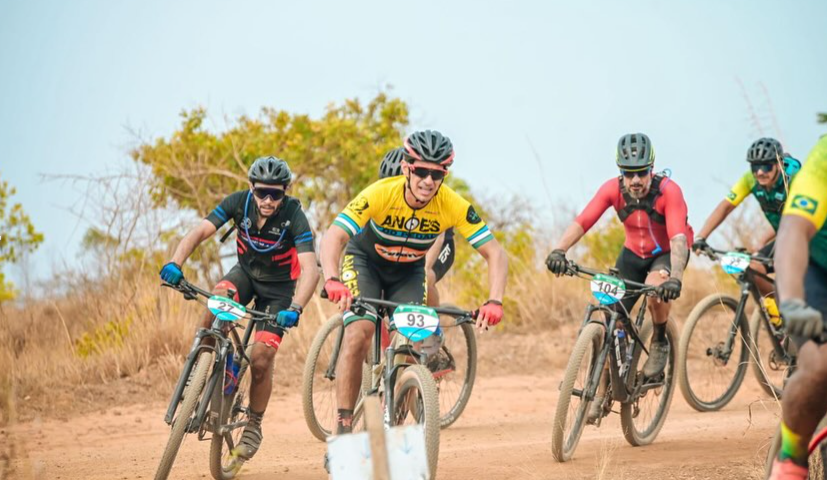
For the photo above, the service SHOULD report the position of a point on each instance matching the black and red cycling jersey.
(650, 222)
(287, 229)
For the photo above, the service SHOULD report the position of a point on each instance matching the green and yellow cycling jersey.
(808, 199)
(382, 224)
(771, 200)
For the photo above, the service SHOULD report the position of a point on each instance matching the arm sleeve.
(675, 211)
(300, 229)
(741, 189)
(808, 194)
(603, 199)
(226, 209)
(357, 213)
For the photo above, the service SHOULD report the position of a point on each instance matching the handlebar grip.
(323, 294)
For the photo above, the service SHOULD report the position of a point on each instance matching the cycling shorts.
(636, 269)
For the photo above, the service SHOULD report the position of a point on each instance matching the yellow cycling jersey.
(808, 195)
(382, 224)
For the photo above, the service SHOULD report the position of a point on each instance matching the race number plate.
(415, 322)
(607, 289)
(225, 309)
(735, 262)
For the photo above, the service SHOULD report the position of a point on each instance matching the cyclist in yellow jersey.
(771, 171)
(801, 281)
(388, 229)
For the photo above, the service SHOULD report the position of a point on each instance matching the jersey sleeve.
(357, 213)
(808, 193)
(226, 209)
(467, 221)
(602, 200)
(301, 232)
(675, 211)
(741, 189)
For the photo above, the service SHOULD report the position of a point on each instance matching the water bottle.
(772, 311)
(231, 374)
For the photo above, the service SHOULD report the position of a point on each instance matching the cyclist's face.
(638, 186)
(267, 205)
(764, 176)
(423, 184)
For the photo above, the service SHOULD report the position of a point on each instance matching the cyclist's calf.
(803, 403)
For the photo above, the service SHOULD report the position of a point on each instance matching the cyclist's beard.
(638, 189)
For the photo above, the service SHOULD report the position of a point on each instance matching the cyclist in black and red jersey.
(275, 250)
(656, 250)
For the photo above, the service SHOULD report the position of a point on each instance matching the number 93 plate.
(415, 322)
(607, 289)
(225, 309)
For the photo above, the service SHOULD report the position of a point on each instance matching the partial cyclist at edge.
(656, 250)
(771, 171)
(275, 253)
(801, 281)
(386, 233)
(440, 257)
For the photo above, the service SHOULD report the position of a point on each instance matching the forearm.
(331, 250)
(572, 235)
(679, 254)
(497, 273)
(307, 283)
(188, 244)
(792, 256)
(715, 219)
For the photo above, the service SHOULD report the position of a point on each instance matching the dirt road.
(504, 434)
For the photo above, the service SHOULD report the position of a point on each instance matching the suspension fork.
(597, 372)
(195, 349)
(217, 374)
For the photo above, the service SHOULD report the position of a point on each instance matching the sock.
(792, 446)
(255, 418)
(659, 334)
(344, 421)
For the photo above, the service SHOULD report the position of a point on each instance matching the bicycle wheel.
(708, 375)
(235, 410)
(319, 379)
(570, 416)
(454, 369)
(183, 416)
(769, 370)
(643, 418)
(417, 402)
(818, 464)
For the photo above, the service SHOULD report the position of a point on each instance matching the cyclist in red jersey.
(656, 250)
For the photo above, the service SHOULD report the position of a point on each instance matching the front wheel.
(642, 418)
(711, 373)
(183, 417)
(234, 414)
(570, 417)
(319, 379)
(417, 402)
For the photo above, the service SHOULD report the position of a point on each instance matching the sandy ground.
(505, 433)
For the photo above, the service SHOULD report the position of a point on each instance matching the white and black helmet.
(270, 170)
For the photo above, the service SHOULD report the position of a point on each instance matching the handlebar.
(714, 254)
(191, 292)
(575, 270)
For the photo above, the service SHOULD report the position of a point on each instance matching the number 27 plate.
(607, 289)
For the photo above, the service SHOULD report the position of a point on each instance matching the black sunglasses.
(263, 192)
(765, 167)
(636, 173)
(423, 173)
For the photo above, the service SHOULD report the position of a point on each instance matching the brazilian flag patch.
(804, 203)
(731, 196)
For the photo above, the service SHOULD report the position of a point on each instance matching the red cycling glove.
(336, 290)
(493, 311)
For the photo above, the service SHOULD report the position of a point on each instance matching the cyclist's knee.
(758, 266)
(358, 334)
(223, 287)
(261, 361)
(812, 362)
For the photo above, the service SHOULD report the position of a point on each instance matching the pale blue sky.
(571, 76)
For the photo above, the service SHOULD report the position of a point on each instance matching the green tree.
(17, 236)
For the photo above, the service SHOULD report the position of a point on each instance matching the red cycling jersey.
(643, 236)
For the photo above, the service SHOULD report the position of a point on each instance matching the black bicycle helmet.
(765, 150)
(270, 170)
(391, 165)
(635, 151)
(429, 146)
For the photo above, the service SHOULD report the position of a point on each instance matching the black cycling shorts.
(815, 289)
(271, 297)
(397, 283)
(767, 251)
(445, 258)
(636, 269)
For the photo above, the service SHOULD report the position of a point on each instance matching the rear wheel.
(769, 369)
(454, 369)
(235, 410)
(710, 374)
(570, 416)
(643, 418)
(183, 416)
